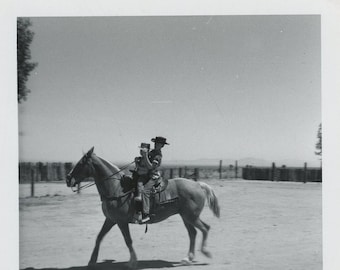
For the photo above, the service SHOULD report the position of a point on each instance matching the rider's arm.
(156, 162)
(137, 160)
(148, 163)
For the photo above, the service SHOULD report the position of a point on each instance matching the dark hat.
(161, 140)
(145, 145)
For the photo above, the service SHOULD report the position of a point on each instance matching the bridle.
(105, 179)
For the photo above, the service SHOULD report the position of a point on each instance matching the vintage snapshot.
(168, 142)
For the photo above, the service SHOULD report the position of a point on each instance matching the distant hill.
(241, 162)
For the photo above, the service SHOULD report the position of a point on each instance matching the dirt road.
(263, 225)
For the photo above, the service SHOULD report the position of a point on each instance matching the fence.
(30, 172)
(202, 172)
(56, 171)
(283, 174)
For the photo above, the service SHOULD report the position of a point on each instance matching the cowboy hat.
(145, 145)
(159, 139)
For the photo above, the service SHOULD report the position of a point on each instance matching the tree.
(318, 145)
(24, 67)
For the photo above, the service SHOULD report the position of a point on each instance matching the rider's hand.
(155, 162)
(143, 151)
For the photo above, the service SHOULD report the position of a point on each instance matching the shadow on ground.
(109, 265)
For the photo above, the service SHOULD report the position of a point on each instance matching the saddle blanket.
(164, 193)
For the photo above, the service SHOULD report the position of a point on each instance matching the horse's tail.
(211, 198)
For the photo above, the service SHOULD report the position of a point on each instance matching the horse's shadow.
(111, 264)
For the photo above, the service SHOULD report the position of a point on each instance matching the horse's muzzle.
(70, 181)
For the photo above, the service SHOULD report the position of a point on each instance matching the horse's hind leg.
(204, 228)
(205, 225)
(192, 235)
(108, 224)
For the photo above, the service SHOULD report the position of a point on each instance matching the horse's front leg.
(108, 224)
(124, 227)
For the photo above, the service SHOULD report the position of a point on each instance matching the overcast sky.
(214, 86)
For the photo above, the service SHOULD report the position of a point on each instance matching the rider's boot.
(138, 217)
(146, 210)
(146, 218)
(140, 188)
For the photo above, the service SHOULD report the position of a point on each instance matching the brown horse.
(119, 207)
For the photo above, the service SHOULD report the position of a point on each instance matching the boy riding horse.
(147, 168)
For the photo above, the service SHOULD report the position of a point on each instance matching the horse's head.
(83, 169)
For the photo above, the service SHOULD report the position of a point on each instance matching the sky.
(214, 86)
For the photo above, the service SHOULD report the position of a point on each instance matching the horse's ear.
(89, 153)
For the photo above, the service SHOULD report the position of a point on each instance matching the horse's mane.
(111, 166)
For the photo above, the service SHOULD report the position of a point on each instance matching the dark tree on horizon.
(24, 66)
(318, 145)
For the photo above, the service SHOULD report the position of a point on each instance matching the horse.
(119, 207)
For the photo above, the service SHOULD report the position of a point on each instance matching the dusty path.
(263, 225)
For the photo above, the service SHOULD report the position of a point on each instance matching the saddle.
(163, 194)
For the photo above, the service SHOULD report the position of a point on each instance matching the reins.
(105, 179)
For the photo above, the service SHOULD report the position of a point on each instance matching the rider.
(148, 164)
(141, 172)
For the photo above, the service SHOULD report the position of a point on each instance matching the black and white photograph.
(164, 140)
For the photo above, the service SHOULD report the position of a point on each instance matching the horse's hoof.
(186, 261)
(206, 253)
(132, 265)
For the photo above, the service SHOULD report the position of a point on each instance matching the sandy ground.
(263, 225)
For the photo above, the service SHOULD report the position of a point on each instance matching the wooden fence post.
(305, 173)
(220, 169)
(236, 168)
(32, 182)
(171, 173)
(196, 172)
(273, 171)
(180, 172)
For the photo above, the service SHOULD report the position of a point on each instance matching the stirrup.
(145, 220)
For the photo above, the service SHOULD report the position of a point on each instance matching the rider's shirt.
(142, 168)
(155, 157)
